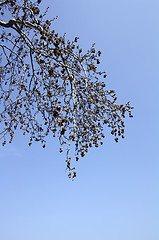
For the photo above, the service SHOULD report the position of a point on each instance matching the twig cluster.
(49, 86)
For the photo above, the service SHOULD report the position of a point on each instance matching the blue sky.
(116, 193)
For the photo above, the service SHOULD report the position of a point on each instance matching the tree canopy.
(49, 86)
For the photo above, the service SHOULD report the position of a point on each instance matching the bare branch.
(9, 24)
(49, 86)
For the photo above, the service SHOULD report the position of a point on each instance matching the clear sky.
(116, 193)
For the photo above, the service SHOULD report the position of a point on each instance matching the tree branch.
(8, 24)
(2, 3)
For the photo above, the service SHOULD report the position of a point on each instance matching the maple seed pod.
(103, 85)
(59, 108)
(74, 175)
(82, 154)
(122, 130)
(51, 72)
(105, 75)
(54, 130)
(60, 150)
(55, 114)
(99, 53)
(63, 130)
(105, 121)
(68, 165)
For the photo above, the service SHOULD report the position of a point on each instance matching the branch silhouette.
(49, 86)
